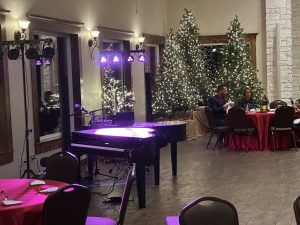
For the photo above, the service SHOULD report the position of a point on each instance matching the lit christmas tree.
(237, 70)
(200, 84)
(116, 97)
(171, 92)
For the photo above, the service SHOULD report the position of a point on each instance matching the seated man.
(218, 106)
(246, 102)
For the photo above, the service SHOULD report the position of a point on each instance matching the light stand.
(28, 172)
(20, 42)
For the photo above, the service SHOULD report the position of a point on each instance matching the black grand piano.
(136, 142)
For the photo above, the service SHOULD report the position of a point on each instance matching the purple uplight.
(38, 62)
(142, 58)
(126, 132)
(130, 58)
(47, 62)
(103, 59)
(116, 59)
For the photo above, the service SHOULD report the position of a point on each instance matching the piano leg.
(174, 158)
(140, 183)
(157, 165)
(90, 166)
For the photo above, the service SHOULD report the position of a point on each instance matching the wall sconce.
(140, 40)
(93, 42)
(21, 35)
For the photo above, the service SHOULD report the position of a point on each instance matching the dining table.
(262, 139)
(30, 210)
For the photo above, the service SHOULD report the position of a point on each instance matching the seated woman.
(247, 100)
(296, 106)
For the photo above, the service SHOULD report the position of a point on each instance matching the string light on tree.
(200, 85)
(116, 97)
(237, 70)
(170, 84)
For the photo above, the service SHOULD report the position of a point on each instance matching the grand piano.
(140, 142)
(136, 144)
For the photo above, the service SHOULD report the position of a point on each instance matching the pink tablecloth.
(261, 140)
(30, 211)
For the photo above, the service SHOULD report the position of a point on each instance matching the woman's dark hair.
(247, 89)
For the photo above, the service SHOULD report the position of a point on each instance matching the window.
(51, 88)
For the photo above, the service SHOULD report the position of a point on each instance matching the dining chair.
(214, 129)
(277, 103)
(284, 117)
(239, 125)
(68, 205)
(206, 211)
(297, 210)
(63, 166)
(122, 212)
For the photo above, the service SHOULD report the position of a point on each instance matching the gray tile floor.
(262, 185)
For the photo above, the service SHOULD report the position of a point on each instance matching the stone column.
(279, 54)
(296, 47)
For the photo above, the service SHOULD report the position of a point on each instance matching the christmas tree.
(237, 70)
(171, 92)
(116, 97)
(200, 84)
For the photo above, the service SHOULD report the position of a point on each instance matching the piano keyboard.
(98, 147)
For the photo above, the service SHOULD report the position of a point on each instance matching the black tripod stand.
(27, 172)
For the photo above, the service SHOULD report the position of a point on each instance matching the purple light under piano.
(126, 132)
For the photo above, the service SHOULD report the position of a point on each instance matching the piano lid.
(134, 132)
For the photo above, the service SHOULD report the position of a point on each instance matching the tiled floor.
(262, 185)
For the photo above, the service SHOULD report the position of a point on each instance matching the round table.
(261, 122)
(30, 212)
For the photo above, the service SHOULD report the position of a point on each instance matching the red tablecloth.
(30, 211)
(262, 140)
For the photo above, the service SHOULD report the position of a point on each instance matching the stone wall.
(279, 56)
(296, 47)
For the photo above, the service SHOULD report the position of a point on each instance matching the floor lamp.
(15, 50)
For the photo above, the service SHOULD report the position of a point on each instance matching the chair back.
(68, 205)
(297, 210)
(210, 118)
(284, 117)
(209, 211)
(277, 103)
(62, 166)
(237, 118)
(126, 194)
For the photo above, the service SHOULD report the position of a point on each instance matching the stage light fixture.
(142, 58)
(48, 51)
(103, 59)
(116, 59)
(47, 61)
(38, 61)
(13, 53)
(32, 52)
(130, 58)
